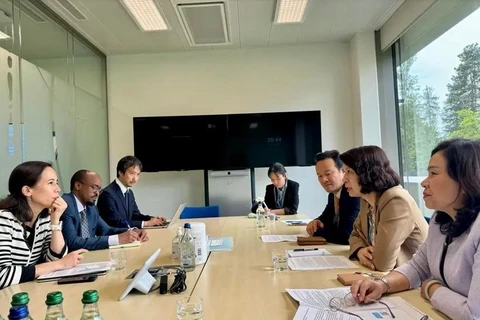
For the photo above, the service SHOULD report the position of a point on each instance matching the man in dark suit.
(336, 222)
(82, 226)
(117, 203)
(281, 197)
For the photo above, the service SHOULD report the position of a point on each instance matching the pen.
(312, 249)
(128, 226)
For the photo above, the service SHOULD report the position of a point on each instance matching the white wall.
(365, 100)
(220, 82)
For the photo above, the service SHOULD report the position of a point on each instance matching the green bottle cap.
(20, 299)
(90, 296)
(54, 298)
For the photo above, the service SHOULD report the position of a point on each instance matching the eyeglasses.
(340, 304)
(95, 188)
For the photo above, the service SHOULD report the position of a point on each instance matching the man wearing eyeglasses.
(82, 225)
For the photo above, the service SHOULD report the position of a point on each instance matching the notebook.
(126, 245)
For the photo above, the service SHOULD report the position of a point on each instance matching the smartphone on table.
(78, 279)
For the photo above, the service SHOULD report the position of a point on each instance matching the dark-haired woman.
(390, 227)
(447, 265)
(31, 240)
(281, 197)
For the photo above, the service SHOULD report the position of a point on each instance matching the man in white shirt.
(82, 225)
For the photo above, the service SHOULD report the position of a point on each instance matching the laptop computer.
(171, 221)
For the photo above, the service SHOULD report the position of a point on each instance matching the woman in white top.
(31, 240)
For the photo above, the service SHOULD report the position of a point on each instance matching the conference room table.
(238, 284)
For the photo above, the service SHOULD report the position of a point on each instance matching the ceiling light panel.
(146, 14)
(290, 11)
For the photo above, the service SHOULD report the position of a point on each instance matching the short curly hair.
(373, 168)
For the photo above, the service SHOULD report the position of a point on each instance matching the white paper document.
(216, 242)
(320, 263)
(83, 268)
(280, 238)
(308, 252)
(314, 305)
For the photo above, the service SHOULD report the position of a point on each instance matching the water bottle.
(176, 245)
(19, 313)
(54, 306)
(187, 249)
(21, 299)
(90, 307)
(260, 216)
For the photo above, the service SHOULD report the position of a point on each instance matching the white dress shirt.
(113, 239)
(123, 189)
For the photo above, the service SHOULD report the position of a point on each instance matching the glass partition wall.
(52, 95)
(438, 85)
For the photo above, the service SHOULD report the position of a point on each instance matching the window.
(438, 81)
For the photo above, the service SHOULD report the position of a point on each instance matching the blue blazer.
(349, 208)
(113, 208)
(72, 232)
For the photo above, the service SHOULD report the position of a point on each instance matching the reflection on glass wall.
(52, 96)
(438, 78)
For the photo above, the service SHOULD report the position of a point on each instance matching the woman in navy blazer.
(281, 197)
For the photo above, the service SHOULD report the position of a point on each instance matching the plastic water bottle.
(21, 299)
(90, 307)
(176, 245)
(54, 306)
(260, 216)
(19, 313)
(187, 249)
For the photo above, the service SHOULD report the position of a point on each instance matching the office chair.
(200, 212)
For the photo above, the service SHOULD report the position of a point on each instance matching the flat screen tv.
(234, 141)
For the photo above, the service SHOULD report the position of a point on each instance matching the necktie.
(127, 199)
(336, 206)
(84, 224)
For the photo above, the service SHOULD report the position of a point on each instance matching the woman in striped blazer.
(31, 240)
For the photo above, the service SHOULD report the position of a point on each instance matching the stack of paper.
(320, 263)
(280, 238)
(307, 252)
(314, 305)
(220, 243)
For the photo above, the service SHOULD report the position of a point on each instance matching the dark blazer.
(348, 208)
(290, 202)
(72, 232)
(113, 208)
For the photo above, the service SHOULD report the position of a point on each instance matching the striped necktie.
(84, 224)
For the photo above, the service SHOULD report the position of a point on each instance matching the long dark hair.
(25, 174)
(373, 168)
(463, 166)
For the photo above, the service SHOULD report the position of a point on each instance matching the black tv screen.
(233, 141)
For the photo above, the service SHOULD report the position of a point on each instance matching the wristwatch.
(56, 227)
(385, 282)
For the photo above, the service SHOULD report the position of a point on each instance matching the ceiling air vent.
(72, 9)
(204, 24)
